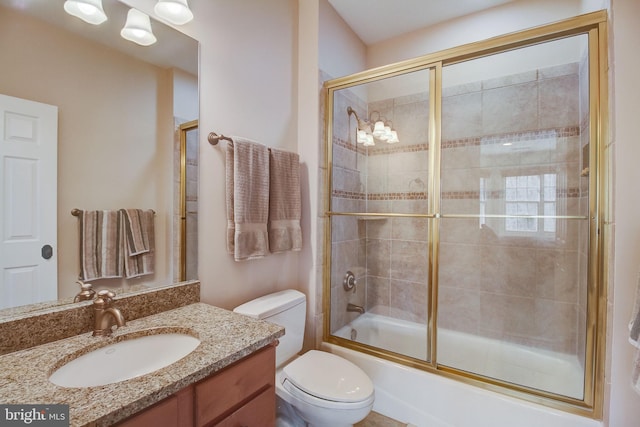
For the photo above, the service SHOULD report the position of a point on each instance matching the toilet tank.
(285, 308)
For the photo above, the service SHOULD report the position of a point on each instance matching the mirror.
(120, 107)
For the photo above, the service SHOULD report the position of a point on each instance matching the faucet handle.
(106, 293)
(104, 298)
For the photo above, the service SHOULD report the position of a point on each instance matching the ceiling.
(377, 20)
(173, 49)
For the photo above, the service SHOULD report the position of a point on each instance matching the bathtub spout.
(355, 308)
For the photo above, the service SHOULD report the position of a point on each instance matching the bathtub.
(425, 399)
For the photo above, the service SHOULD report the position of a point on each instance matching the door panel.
(28, 171)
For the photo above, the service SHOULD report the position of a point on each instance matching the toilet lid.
(329, 377)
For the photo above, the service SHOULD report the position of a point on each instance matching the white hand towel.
(250, 199)
(285, 233)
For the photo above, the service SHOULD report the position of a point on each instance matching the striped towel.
(135, 236)
(100, 245)
(138, 237)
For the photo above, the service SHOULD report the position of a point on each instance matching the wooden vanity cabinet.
(243, 394)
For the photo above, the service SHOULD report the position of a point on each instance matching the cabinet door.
(261, 411)
(232, 388)
(174, 411)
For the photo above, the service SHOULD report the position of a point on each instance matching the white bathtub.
(429, 400)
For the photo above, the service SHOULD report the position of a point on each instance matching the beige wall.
(624, 403)
(114, 134)
(235, 37)
(248, 87)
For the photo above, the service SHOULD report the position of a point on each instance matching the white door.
(28, 192)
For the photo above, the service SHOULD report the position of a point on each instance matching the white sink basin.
(124, 360)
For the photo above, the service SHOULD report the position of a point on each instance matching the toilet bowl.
(323, 389)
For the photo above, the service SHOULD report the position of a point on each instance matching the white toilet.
(324, 389)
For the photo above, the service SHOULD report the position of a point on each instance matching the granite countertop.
(225, 338)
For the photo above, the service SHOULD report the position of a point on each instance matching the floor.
(377, 420)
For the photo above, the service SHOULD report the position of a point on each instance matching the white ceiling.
(377, 20)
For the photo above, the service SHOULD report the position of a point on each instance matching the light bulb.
(175, 11)
(361, 136)
(378, 129)
(369, 142)
(90, 11)
(394, 137)
(138, 28)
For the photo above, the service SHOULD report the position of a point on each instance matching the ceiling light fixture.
(381, 129)
(175, 11)
(138, 28)
(90, 11)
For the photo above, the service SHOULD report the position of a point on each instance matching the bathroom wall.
(341, 52)
(214, 26)
(248, 87)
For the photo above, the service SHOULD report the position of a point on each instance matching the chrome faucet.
(105, 314)
(355, 308)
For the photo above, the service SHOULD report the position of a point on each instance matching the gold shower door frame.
(594, 26)
(185, 128)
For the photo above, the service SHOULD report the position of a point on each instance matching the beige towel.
(285, 233)
(100, 245)
(231, 225)
(250, 200)
(139, 225)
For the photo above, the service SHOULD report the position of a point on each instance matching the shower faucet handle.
(349, 282)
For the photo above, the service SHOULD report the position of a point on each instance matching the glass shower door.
(380, 270)
(514, 229)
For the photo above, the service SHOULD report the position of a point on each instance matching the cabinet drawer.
(174, 411)
(227, 391)
(259, 412)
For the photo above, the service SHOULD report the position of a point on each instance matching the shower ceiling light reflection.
(381, 130)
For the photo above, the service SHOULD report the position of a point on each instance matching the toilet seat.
(324, 379)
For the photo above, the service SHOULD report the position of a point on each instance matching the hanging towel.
(250, 199)
(231, 225)
(135, 237)
(100, 245)
(138, 236)
(634, 338)
(285, 233)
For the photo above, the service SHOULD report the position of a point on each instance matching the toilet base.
(286, 415)
(311, 415)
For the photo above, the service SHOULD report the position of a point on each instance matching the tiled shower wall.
(520, 287)
(348, 195)
(517, 288)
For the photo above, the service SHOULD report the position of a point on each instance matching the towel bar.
(78, 212)
(214, 138)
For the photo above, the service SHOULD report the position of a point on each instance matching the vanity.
(228, 379)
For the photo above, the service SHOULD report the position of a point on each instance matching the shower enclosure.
(471, 246)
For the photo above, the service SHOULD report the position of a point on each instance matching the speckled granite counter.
(225, 338)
